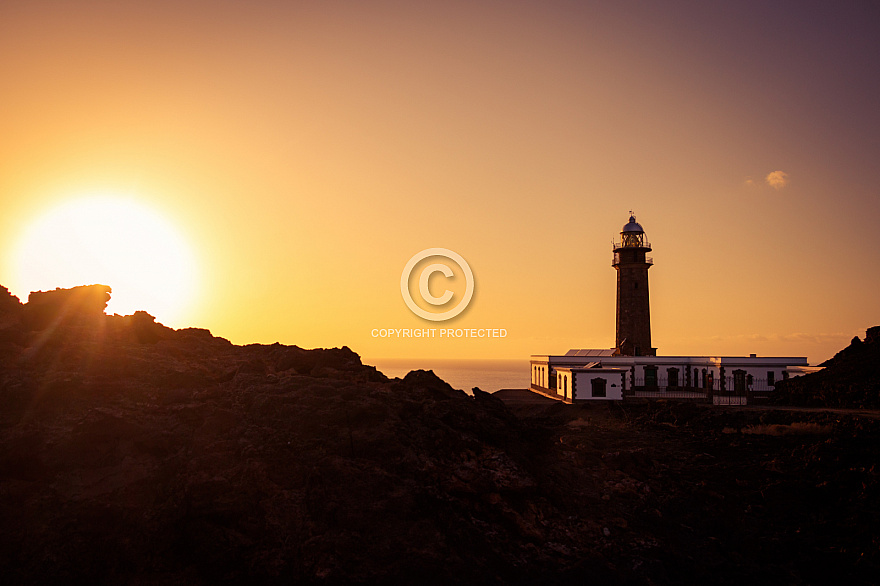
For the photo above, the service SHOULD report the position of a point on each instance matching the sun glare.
(111, 241)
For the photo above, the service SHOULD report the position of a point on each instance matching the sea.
(464, 374)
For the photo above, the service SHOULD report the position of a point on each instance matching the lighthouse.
(633, 369)
(633, 306)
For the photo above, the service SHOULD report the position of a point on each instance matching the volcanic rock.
(64, 306)
(850, 379)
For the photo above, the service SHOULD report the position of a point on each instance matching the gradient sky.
(307, 150)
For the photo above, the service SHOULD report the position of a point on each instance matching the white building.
(632, 369)
(582, 375)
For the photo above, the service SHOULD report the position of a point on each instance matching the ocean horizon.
(488, 375)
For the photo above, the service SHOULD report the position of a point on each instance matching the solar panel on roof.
(590, 352)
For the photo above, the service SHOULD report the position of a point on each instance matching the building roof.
(581, 367)
(590, 352)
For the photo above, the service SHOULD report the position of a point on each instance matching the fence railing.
(644, 244)
(728, 384)
(615, 260)
(731, 390)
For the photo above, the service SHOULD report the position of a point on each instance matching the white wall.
(540, 375)
(584, 385)
(564, 380)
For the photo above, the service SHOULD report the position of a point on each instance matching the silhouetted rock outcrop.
(11, 314)
(850, 379)
(79, 305)
(9, 303)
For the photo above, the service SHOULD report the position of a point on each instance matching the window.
(771, 378)
(672, 377)
(599, 387)
(739, 381)
(650, 376)
(696, 378)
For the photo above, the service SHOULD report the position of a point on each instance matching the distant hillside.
(850, 379)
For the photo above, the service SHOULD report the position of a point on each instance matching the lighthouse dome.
(633, 226)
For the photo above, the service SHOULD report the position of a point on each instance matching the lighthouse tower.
(633, 308)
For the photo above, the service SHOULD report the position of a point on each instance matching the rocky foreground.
(131, 453)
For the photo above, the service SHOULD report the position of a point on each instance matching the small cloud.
(777, 179)
(814, 338)
(750, 183)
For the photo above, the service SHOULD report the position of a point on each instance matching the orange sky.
(307, 150)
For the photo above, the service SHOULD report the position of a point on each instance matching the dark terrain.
(850, 379)
(131, 453)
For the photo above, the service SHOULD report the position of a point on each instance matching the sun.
(112, 241)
